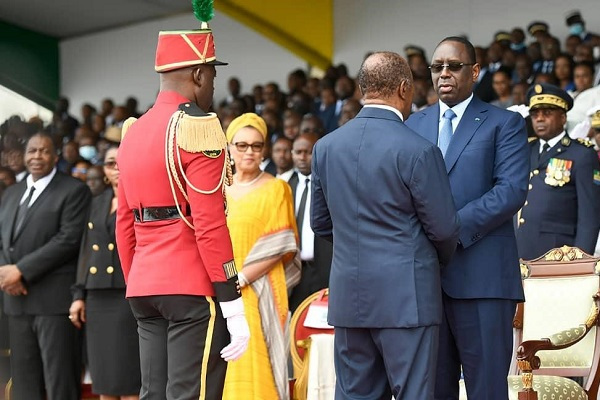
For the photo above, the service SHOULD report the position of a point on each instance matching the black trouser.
(180, 342)
(45, 356)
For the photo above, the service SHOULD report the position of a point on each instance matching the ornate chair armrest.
(557, 341)
(527, 360)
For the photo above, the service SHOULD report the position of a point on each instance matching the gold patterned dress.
(262, 225)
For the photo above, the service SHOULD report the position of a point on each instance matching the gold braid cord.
(228, 179)
(170, 151)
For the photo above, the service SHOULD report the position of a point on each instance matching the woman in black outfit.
(99, 300)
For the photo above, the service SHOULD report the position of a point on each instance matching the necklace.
(253, 181)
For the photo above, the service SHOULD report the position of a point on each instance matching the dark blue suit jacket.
(555, 215)
(381, 192)
(488, 166)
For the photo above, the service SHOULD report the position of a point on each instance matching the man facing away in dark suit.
(485, 152)
(380, 193)
(315, 252)
(41, 223)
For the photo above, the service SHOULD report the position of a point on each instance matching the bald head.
(382, 73)
(385, 78)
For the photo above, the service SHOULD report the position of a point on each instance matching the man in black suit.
(315, 252)
(41, 224)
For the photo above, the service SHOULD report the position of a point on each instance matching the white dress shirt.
(264, 163)
(307, 252)
(458, 109)
(386, 107)
(552, 142)
(20, 176)
(286, 175)
(40, 185)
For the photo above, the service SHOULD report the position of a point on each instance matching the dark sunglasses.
(110, 164)
(452, 66)
(243, 146)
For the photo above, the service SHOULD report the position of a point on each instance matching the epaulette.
(531, 139)
(586, 142)
(126, 125)
(198, 131)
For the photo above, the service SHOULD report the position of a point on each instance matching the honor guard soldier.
(562, 206)
(172, 235)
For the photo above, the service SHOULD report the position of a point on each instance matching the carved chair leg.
(528, 395)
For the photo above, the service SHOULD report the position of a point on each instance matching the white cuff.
(242, 280)
(233, 307)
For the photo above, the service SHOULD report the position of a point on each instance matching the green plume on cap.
(203, 10)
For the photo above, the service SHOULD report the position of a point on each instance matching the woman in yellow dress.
(263, 232)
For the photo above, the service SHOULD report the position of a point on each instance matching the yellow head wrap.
(244, 120)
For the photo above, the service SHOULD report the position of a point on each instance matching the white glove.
(238, 328)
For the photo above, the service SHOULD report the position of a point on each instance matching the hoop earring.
(106, 180)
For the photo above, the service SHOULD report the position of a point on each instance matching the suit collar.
(473, 118)
(51, 186)
(293, 182)
(376, 112)
(555, 151)
(458, 109)
(41, 184)
(430, 119)
(386, 107)
(554, 141)
(12, 208)
(105, 203)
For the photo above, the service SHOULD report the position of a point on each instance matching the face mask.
(88, 152)
(517, 46)
(576, 29)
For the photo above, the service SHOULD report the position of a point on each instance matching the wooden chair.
(301, 343)
(557, 328)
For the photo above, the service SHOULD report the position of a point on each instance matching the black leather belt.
(158, 213)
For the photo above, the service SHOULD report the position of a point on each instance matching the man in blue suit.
(380, 192)
(486, 157)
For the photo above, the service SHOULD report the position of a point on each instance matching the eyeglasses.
(452, 66)
(243, 146)
(110, 164)
(79, 170)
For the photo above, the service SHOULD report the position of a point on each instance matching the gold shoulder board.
(200, 134)
(586, 142)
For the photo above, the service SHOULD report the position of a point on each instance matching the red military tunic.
(167, 257)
